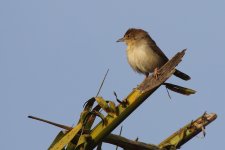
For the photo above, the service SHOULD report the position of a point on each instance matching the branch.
(133, 100)
(190, 130)
(176, 140)
(125, 108)
(129, 144)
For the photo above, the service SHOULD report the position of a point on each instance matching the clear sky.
(54, 54)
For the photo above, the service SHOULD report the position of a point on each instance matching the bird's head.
(133, 35)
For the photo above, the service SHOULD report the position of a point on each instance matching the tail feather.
(182, 75)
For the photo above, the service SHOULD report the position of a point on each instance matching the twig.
(121, 128)
(102, 83)
(52, 123)
(168, 92)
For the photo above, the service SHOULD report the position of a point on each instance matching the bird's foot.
(156, 73)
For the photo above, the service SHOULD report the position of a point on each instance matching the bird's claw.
(156, 73)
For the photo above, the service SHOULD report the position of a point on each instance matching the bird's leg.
(146, 75)
(156, 73)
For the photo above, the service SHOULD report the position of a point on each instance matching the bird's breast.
(143, 59)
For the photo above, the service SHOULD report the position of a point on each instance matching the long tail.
(182, 75)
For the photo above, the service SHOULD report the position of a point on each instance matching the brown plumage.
(143, 54)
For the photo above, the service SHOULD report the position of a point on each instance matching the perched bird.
(143, 55)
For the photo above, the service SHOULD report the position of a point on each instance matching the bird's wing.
(156, 49)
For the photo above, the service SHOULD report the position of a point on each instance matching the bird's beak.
(121, 40)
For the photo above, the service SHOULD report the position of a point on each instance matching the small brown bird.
(143, 55)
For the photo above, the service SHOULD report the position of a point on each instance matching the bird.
(143, 54)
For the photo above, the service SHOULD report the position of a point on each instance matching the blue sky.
(53, 56)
